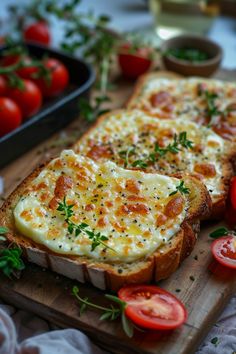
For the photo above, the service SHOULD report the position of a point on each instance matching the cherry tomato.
(27, 72)
(10, 59)
(10, 115)
(151, 307)
(224, 250)
(134, 64)
(38, 32)
(233, 192)
(59, 78)
(29, 99)
(3, 85)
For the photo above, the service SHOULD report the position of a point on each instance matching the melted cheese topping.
(184, 101)
(133, 209)
(138, 132)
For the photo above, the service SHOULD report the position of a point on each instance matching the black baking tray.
(55, 113)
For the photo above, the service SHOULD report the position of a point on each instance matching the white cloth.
(24, 333)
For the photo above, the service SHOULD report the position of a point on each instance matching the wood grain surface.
(203, 285)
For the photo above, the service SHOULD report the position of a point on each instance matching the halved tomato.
(151, 307)
(224, 250)
(134, 62)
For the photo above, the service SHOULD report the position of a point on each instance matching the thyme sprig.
(109, 313)
(210, 98)
(181, 188)
(90, 111)
(125, 154)
(212, 110)
(180, 141)
(96, 238)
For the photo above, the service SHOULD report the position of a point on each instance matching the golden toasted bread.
(208, 102)
(33, 209)
(136, 140)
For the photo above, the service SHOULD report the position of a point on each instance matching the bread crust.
(106, 276)
(144, 78)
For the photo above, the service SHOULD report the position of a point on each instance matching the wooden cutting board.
(204, 286)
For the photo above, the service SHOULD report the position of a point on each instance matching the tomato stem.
(19, 65)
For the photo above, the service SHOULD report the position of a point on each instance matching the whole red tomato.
(3, 85)
(38, 32)
(134, 62)
(59, 78)
(10, 59)
(29, 98)
(10, 115)
(27, 72)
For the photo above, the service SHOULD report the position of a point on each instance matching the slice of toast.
(130, 138)
(205, 101)
(147, 226)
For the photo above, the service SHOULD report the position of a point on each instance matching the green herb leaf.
(109, 313)
(181, 188)
(179, 141)
(91, 111)
(212, 110)
(139, 163)
(187, 54)
(183, 141)
(97, 239)
(10, 261)
(3, 230)
(215, 341)
(83, 307)
(127, 325)
(105, 316)
(125, 154)
(221, 231)
(116, 299)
